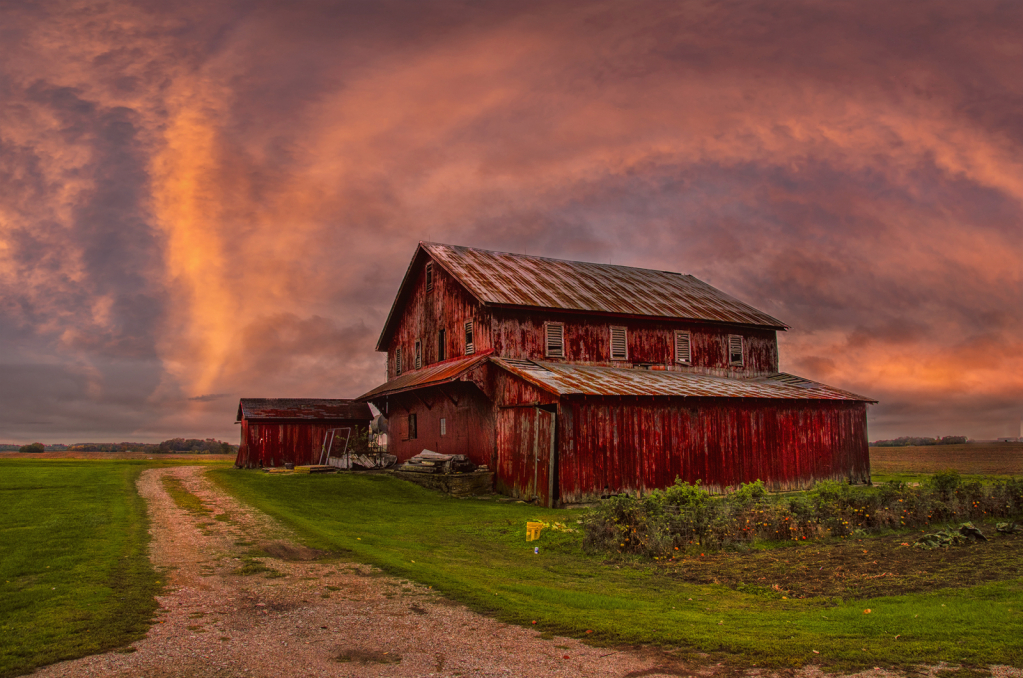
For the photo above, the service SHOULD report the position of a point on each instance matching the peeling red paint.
(575, 428)
(278, 431)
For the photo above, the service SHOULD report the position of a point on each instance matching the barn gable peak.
(505, 279)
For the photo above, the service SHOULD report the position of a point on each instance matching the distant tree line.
(907, 441)
(207, 446)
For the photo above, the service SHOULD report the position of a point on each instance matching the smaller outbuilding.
(277, 431)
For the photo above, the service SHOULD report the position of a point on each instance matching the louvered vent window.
(734, 349)
(619, 344)
(555, 338)
(469, 347)
(397, 361)
(443, 426)
(683, 348)
(419, 354)
(429, 277)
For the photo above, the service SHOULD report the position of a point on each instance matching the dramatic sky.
(204, 200)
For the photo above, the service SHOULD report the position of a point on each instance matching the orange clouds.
(231, 192)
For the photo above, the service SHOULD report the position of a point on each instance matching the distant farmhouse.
(575, 380)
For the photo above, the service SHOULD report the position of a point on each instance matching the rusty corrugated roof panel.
(431, 375)
(302, 409)
(567, 379)
(522, 280)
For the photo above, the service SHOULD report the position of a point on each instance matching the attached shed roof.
(563, 379)
(431, 375)
(521, 280)
(302, 409)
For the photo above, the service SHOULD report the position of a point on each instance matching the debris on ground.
(429, 461)
(966, 533)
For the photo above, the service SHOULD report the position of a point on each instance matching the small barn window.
(412, 433)
(554, 338)
(397, 361)
(619, 343)
(683, 347)
(443, 426)
(429, 277)
(734, 349)
(419, 354)
(441, 336)
(469, 347)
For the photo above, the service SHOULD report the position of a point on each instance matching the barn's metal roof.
(302, 409)
(431, 375)
(568, 379)
(507, 279)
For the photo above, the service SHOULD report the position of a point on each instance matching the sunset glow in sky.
(209, 200)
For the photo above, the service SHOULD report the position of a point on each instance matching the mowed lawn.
(75, 576)
(474, 551)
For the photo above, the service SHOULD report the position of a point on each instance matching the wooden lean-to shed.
(276, 431)
(575, 380)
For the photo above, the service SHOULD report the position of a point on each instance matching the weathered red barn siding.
(518, 334)
(525, 442)
(469, 419)
(615, 445)
(270, 444)
(446, 307)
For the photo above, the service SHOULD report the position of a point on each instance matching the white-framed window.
(397, 361)
(443, 426)
(735, 349)
(429, 276)
(683, 347)
(419, 354)
(554, 340)
(470, 348)
(619, 343)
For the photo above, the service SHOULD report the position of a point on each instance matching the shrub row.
(684, 516)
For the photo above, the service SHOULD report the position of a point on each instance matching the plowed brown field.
(980, 458)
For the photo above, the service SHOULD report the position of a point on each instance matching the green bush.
(666, 522)
(34, 447)
(946, 482)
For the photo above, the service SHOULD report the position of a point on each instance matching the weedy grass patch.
(75, 576)
(474, 551)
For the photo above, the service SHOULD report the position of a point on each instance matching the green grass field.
(75, 577)
(475, 552)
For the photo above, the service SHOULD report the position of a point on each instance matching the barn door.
(525, 453)
(543, 457)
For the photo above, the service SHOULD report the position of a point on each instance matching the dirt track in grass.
(300, 613)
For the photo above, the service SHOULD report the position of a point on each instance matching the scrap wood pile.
(428, 461)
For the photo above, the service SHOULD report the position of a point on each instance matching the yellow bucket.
(533, 531)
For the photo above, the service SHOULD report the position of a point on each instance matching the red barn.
(575, 380)
(276, 431)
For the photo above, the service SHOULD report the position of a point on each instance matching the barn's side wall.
(468, 413)
(448, 306)
(616, 445)
(271, 444)
(520, 334)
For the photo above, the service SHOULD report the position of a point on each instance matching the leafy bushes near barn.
(685, 517)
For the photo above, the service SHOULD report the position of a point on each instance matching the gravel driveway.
(337, 619)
